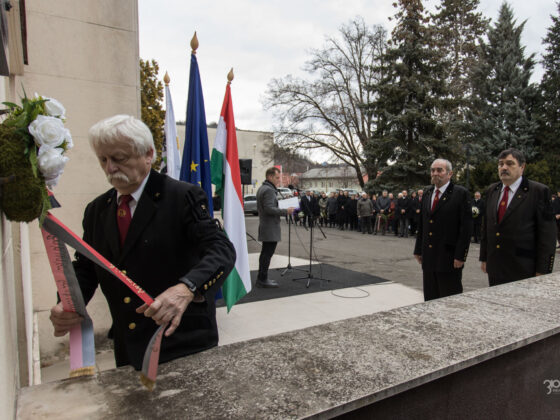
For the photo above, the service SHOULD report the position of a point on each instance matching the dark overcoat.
(444, 234)
(269, 213)
(309, 205)
(524, 242)
(171, 235)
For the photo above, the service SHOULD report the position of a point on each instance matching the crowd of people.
(371, 213)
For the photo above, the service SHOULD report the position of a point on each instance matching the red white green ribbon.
(82, 353)
(82, 349)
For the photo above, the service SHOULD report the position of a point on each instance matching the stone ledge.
(320, 371)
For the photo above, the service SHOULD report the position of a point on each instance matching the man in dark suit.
(478, 215)
(444, 233)
(402, 212)
(341, 209)
(158, 232)
(310, 207)
(416, 210)
(556, 212)
(518, 230)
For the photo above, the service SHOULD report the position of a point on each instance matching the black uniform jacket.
(444, 235)
(309, 205)
(403, 203)
(524, 242)
(171, 235)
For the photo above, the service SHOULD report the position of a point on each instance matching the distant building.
(290, 178)
(328, 179)
(250, 145)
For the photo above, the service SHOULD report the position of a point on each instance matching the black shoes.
(268, 283)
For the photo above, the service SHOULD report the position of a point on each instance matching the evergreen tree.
(550, 93)
(457, 29)
(504, 101)
(409, 98)
(151, 98)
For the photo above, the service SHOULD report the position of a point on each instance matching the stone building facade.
(85, 54)
(330, 179)
(250, 145)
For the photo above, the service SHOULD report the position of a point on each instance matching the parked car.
(284, 193)
(250, 204)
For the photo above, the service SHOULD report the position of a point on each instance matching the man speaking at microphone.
(158, 232)
(269, 224)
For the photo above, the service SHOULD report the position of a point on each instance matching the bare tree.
(330, 110)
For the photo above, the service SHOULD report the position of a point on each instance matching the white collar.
(442, 188)
(515, 186)
(138, 193)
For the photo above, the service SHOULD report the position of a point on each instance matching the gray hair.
(123, 127)
(448, 165)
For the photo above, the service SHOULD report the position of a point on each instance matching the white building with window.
(329, 179)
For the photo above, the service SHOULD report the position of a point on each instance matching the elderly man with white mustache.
(158, 232)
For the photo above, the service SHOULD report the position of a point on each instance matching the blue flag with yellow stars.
(195, 167)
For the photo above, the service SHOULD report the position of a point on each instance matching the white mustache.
(118, 176)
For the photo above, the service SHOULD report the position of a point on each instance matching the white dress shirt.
(135, 196)
(441, 191)
(512, 190)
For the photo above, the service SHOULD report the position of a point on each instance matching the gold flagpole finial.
(230, 76)
(166, 79)
(194, 43)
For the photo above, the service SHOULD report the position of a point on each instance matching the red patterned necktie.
(503, 204)
(123, 216)
(436, 199)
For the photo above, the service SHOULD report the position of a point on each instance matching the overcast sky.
(265, 39)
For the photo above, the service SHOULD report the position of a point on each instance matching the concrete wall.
(510, 386)
(484, 354)
(85, 54)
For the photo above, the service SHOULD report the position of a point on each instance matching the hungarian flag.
(227, 179)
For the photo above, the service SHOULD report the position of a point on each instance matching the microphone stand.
(289, 267)
(310, 275)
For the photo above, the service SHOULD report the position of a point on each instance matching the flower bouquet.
(33, 141)
(475, 211)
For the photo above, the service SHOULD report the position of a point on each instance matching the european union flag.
(195, 167)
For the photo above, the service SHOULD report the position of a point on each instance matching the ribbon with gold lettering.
(82, 348)
(55, 235)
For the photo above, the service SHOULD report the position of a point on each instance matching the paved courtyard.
(388, 256)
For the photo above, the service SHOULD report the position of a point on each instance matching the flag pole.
(166, 80)
(195, 167)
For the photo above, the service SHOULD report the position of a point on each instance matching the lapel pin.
(157, 195)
